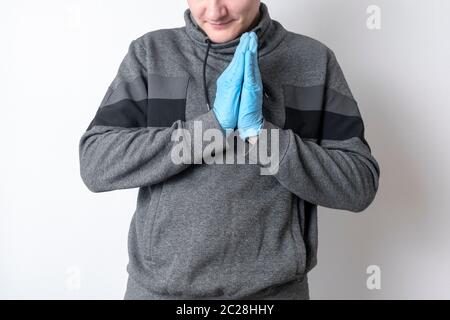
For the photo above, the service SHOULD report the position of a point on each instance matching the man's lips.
(221, 25)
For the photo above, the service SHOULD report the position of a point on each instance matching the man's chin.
(222, 36)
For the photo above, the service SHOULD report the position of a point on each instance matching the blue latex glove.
(229, 85)
(250, 119)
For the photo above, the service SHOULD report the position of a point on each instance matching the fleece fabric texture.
(225, 231)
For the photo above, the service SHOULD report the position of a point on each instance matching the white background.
(57, 59)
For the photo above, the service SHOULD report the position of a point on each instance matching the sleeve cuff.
(197, 128)
(270, 148)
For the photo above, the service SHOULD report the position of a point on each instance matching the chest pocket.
(166, 100)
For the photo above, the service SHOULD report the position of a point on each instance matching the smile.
(221, 25)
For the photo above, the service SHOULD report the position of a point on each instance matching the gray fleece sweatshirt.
(225, 230)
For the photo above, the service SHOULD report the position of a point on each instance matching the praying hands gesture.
(239, 91)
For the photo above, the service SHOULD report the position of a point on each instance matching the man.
(208, 230)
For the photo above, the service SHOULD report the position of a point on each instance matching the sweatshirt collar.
(270, 33)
